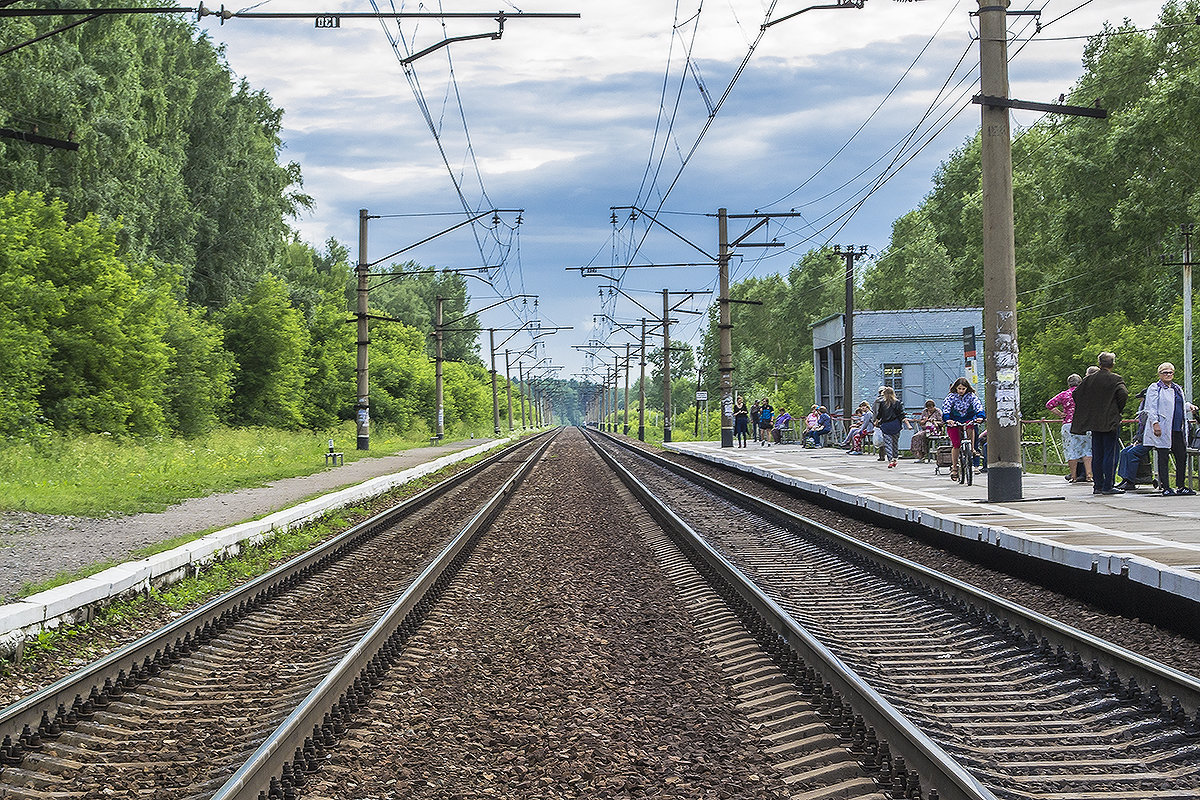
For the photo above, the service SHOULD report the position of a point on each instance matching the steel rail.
(938, 770)
(170, 642)
(254, 778)
(1106, 655)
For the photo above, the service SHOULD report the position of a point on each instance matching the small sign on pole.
(329, 21)
(701, 396)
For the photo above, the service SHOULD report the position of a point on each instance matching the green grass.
(100, 475)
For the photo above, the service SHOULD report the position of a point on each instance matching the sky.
(837, 117)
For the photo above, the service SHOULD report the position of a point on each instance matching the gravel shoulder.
(36, 547)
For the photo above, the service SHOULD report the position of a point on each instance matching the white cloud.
(562, 114)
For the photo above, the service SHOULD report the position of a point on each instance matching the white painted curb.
(79, 601)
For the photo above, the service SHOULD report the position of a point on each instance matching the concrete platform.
(1142, 536)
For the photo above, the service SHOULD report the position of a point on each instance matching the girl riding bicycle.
(961, 409)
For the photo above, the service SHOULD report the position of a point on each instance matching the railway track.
(172, 713)
(1032, 708)
(555, 640)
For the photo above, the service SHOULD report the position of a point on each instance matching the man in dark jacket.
(1099, 401)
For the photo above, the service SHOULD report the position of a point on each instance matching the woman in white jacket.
(1166, 427)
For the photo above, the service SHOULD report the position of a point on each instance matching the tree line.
(151, 283)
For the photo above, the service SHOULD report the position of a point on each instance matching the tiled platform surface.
(1153, 540)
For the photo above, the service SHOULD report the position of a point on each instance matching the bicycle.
(966, 451)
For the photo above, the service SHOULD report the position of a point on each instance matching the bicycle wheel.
(966, 459)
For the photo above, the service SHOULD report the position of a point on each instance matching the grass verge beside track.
(100, 475)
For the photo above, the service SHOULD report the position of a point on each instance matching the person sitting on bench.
(824, 428)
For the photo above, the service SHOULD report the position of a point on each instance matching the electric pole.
(362, 411)
(439, 430)
(495, 398)
(666, 362)
(1186, 230)
(1002, 394)
(849, 253)
(642, 389)
(725, 336)
(628, 347)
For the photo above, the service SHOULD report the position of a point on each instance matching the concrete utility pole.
(362, 412)
(508, 388)
(1186, 230)
(495, 398)
(440, 430)
(628, 347)
(521, 389)
(849, 254)
(1002, 393)
(642, 389)
(725, 335)
(666, 361)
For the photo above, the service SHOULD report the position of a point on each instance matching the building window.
(893, 376)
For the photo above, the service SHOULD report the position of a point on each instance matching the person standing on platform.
(1076, 446)
(766, 422)
(741, 421)
(755, 409)
(1099, 400)
(877, 433)
(1166, 428)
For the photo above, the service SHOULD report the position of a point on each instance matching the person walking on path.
(877, 434)
(1099, 400)
(741, 421)
(1077, 447)
(1166, 415)
(891, 417)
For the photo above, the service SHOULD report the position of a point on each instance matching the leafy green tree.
(169, 143)
(198, 380)
(913, 272)
(29, 306)
(330, 386)
(268, 340)
(102, 345)
(412, 299)
(402, 378)
(316, 278)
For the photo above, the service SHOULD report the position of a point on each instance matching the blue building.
(918, 352)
